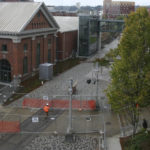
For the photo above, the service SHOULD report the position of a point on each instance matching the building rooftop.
(67, 23)
(14, 16)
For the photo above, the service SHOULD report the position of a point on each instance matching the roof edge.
(50, 15)
(42, 5)
(24, 26)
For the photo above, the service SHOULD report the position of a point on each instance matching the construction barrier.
(9, 126)
(59, 104)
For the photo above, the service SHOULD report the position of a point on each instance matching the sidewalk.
(113, 143)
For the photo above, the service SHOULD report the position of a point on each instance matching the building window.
(38, 14)
(25, 47)
(38, 55)
(4, 48)
(25, 65)
(49, 43)
(49, 55)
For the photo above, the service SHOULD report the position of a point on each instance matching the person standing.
(46, 109)
(145, 125)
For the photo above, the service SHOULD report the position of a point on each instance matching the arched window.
(25, 65)
(5, 71)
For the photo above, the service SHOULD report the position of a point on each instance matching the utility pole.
(97, 83)
(100, 34)
(69, 130)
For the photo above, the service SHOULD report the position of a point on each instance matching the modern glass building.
(88, 35)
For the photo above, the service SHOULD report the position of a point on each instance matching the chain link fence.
(31, 119)
(126, 128)
(58, 122)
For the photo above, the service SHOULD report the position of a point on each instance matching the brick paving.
(80, 73)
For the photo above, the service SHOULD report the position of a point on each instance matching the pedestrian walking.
(145, 125)
(46, 109)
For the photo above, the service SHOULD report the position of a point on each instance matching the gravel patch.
(59, 143)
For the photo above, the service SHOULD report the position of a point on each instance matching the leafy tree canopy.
(130, 74)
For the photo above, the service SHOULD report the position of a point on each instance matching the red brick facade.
(21, 47)
(66, 44)
(113, 9)
(38, 22)
(15, 53)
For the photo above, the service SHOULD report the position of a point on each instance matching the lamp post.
(97, 82)
(69, 130)
(96, 72)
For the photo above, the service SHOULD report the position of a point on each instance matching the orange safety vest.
(46, 108)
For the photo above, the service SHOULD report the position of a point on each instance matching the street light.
(97, 82)
(69, 130)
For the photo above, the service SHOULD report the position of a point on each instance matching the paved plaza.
(58, 86)
(83, 121)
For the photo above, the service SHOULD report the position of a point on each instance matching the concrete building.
(67, 37)
(112, 9)
(27, 39)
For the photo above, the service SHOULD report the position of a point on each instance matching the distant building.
(67, 37)
(112, 9)
(58, 13)
(55, 12)
(27, 39)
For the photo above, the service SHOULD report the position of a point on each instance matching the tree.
(130, 84)
(101, 62)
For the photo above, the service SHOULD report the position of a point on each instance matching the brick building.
(27, 39)
(112, 9)
(67, 36)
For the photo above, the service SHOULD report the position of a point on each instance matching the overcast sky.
(87, 2)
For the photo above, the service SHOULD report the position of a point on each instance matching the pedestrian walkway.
(113, 143)
(59, 86)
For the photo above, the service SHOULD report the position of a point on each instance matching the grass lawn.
(65, 65)
(34, 82)
(140, 141)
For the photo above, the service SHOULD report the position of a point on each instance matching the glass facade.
(93, 35)
(83, 35)
(88, 35)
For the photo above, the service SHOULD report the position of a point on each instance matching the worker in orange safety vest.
(46, 109)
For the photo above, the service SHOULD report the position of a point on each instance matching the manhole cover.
(108, 123)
